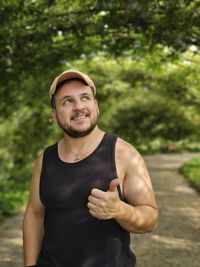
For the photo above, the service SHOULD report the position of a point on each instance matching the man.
(88, 191)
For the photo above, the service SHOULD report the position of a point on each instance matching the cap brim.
(66, 75)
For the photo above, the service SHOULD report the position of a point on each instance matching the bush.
(191, 170)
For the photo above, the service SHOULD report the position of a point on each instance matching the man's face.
(76, 111)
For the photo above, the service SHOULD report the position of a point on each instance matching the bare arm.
(33, 219)
(140, 213)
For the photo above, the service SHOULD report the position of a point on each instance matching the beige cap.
(68, 74)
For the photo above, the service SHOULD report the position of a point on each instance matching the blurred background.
(142, 55)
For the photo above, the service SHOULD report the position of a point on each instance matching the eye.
(85, 98)
(67, 101)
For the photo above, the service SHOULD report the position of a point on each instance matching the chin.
(77, 133)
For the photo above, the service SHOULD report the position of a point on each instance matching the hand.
(105, 205)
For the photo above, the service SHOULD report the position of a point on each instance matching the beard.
(69, 130)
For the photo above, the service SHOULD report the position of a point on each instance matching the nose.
(78, 105)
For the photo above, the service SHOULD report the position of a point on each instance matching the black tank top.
(73, 237)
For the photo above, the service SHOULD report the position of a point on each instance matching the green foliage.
(142, 55)
(191, 170)
(12, 196)
(140, 105)
(136, 123)
(14, 184)
(39, 34)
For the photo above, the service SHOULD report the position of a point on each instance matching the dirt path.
(11, 241)
(175, 242)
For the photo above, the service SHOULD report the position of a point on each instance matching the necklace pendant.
(77, 158)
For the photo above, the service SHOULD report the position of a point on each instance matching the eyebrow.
(70, 96)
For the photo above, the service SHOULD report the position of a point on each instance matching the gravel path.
(11, 241)
(175, 242)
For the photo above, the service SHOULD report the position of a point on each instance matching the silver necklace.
(77, 155)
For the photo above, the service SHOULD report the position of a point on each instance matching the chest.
(68, 185)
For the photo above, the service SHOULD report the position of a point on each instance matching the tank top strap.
(110, 143)
(50, 153)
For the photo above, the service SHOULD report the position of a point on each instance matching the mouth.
(79, 117)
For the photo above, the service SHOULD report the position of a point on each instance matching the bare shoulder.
(38, 162)
(37, 168)
(127, 153)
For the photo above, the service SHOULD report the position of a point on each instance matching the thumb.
(113, 185)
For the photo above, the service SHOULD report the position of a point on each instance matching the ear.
(53, 115)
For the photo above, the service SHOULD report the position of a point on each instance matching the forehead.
(73, 88)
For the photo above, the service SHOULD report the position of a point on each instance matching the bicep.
(137, 185)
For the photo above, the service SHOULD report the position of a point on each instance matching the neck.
(76, 144)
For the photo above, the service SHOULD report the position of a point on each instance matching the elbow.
(144, 228)
(153, 223)
(151, 227)
(147, 225)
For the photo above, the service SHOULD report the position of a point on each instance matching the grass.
(191, 170)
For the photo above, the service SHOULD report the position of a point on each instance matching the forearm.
(137, 219)
(32, 236)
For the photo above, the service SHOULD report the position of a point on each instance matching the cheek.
(94, 108)
(97, 110)
(93, 111)
(63, 114)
